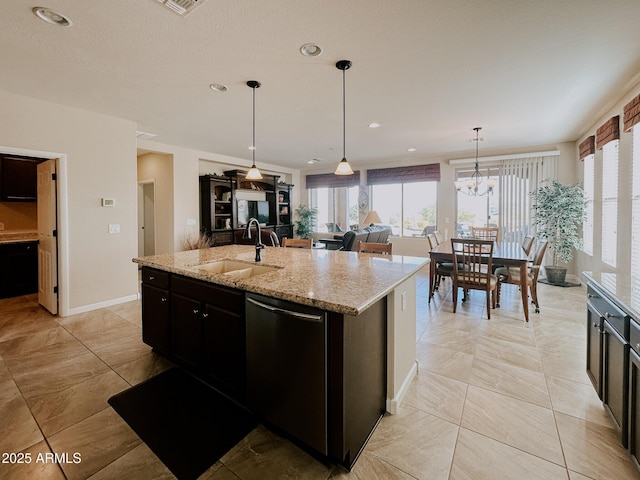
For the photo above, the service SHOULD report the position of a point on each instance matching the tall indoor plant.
(558, 212)
(306, 220)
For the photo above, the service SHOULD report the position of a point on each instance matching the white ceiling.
(531, 73)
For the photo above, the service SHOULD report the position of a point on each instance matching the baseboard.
(394, 403)
(99, 305)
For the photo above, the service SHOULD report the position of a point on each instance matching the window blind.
(410, 174)
(610, 202)
(518, 178)
(635, 202)
(331, 180)
(589, 192)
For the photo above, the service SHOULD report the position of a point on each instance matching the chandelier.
(474, 186)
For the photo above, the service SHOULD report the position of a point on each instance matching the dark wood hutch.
(219, 207)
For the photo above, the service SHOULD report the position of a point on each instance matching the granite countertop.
(342, 282)
(624, 290)
(15, 236)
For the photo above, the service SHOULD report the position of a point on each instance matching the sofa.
(373, 233)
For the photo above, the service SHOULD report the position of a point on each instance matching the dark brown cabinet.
(634, 392)
(595, 324)
(216, 208)
(18, 178)
(613, 382)
(18, 268)
(155, 309)
(198, 325)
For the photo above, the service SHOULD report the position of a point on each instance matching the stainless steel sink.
(234, 268)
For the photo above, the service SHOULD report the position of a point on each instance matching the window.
(477, 211)
(588, 187)
(635, 201)
(409, 208)
(337, 208)
(405, 198)
(609, 202)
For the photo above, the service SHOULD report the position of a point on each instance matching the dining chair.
(486, 233)
(472, 269)
(372, 247)
(439, 237)
(297, 242)
(512, 275)
(527, 243)
(443, 269)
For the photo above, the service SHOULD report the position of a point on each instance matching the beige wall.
(99, 160)
(593, 262)
(159, 169)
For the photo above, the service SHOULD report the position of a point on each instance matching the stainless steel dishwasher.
(287, 367)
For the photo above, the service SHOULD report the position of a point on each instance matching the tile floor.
(493, 399)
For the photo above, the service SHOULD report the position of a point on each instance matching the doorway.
(146, 218)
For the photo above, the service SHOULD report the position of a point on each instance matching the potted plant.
(306, 220)
(558, 212)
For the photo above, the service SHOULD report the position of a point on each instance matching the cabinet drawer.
(607, 309)
(634, 335)
(219, 296)
(158, 278)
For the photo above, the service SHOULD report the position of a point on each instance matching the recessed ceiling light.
(218, 87)
(144, 135)
(411, 149)
(314, 160)
(310, 50)
(51, 17)
(374, 125)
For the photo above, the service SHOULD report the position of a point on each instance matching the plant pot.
(555, 275)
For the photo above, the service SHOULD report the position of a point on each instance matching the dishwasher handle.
(289, 313)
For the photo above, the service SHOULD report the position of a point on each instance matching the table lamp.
(372, 218)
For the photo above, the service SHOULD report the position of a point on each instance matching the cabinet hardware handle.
(591, 295)
(152, 277)
(595, 325)
(282, 311)
(196, 311)
(205, 315)
(638, 347)
(609, 315)
(163, 299)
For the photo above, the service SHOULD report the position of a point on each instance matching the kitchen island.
(318, 343)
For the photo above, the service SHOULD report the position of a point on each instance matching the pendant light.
(343, 167)
(474, 183)
(254, 173)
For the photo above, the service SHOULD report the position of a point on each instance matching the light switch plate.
(191, 222)
(114, 228)
(108, 202)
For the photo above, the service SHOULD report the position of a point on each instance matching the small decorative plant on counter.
(194, 241)
(558, 212)
(306, 220)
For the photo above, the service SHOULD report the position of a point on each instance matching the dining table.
(509, 254)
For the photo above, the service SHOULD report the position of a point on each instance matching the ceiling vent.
(181, 7)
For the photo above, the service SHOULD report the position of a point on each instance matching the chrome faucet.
(259, 244)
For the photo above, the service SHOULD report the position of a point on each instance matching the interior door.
(47, 239)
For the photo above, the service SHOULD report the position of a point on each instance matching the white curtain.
(518, 178)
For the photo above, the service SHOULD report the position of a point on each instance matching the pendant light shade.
(343, 167)
(254, 173)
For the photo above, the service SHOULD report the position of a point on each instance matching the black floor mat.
(187, 424)
(565, 284)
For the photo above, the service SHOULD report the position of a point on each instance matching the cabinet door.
(224, 347)
(594, 348)
(615, 378)
(634, 405)
(186, 329)
(155, 318)
(19, 269)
